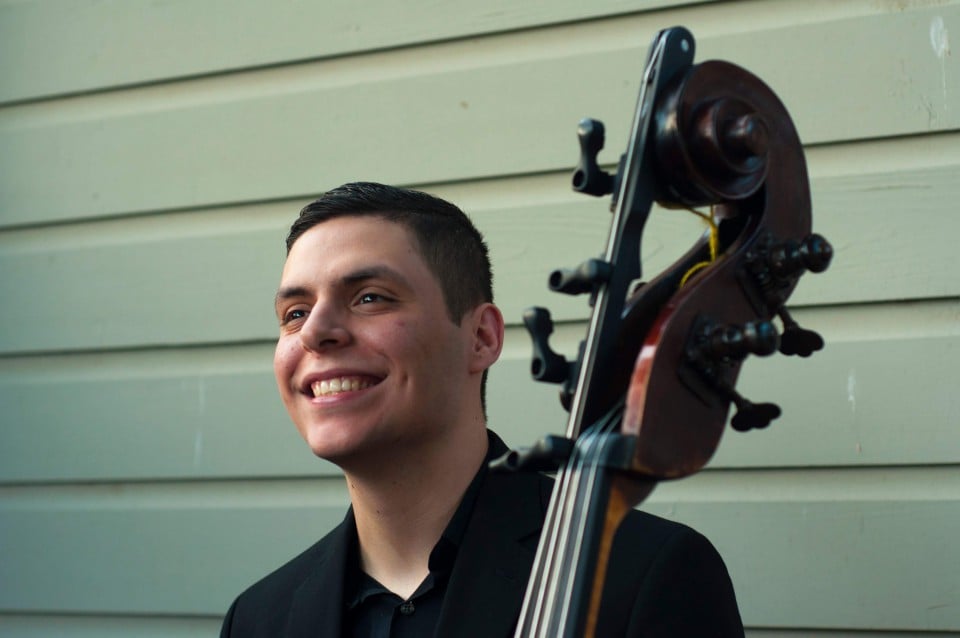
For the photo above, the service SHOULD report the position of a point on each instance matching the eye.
(373, 300)
(293, 315)
(370, 297)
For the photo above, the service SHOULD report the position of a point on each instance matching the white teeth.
(335, 386)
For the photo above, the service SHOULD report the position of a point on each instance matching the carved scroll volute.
(722, 138)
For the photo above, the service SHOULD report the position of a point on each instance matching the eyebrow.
(289, 292)
(360, 275)
(377, 271)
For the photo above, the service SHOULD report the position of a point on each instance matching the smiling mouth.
(330, 387)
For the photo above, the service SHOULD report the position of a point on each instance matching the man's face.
(368, 360)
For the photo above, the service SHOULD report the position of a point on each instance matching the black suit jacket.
(665, 580)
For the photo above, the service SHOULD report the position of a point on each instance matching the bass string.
(537, 593)
(558, 561)
(582, 514)
(550, 553)
(564, 571)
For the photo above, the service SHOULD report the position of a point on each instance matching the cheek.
(285, 359)
(411, 342)
(436, 348)
(404, 344)
(394, 338)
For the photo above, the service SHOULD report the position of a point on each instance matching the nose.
(323, 329)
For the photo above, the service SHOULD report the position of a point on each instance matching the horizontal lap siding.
(790, 550)
(160, 280)
(106, 626)
(174, 549)
(138, 41)
(447, 112)
(213, 412)
(143, 201)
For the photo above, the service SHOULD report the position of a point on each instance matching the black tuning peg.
(775, 265)
(547, 455)
(546, 365)
(736, 342)
(584, 279)
(588, 177)
(749, 416)
(714, 349)
(752, 416)
(796, 340)
(814, 253)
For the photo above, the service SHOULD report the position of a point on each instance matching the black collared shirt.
(373, 611)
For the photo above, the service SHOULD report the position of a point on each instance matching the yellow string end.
(713, 243)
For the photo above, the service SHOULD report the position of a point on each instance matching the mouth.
(341, 385)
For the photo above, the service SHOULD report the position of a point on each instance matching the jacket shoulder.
(266, 607)
(666, 579)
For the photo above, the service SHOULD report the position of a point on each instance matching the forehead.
(338, 246)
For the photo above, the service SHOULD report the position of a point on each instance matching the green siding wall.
(152, 155)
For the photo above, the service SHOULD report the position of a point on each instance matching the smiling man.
(387, 330)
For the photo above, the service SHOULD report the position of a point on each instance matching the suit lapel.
(489, 576)
(316, 608)
(493, 563)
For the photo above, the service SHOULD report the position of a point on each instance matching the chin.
(337, 443)
(328, 447)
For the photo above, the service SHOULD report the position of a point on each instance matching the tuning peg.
(796, 340)
(546, 365)
(714, 349)
(752, 416)
(588, 177)
(814, 253)
(547, 455)
(736, 342)
(749, 416)
(584, 279)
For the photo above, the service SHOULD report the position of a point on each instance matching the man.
(387, 329)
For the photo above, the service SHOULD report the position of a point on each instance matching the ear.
(487, 331)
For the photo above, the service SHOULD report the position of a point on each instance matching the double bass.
(650, 390)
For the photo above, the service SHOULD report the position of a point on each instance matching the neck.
(402, 506)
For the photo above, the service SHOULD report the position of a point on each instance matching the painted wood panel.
(438, 114)
(824, 549)
(180, 549)
(105, 626)
(209, 276)
(147, 422)
(140, 41)
(214, 412)
(831, 548)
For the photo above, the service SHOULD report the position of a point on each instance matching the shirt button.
(407, 608)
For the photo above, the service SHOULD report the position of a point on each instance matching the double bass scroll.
(650, 391)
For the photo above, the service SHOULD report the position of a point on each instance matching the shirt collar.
(360, 585)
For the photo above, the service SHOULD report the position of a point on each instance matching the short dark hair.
(450, 245)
